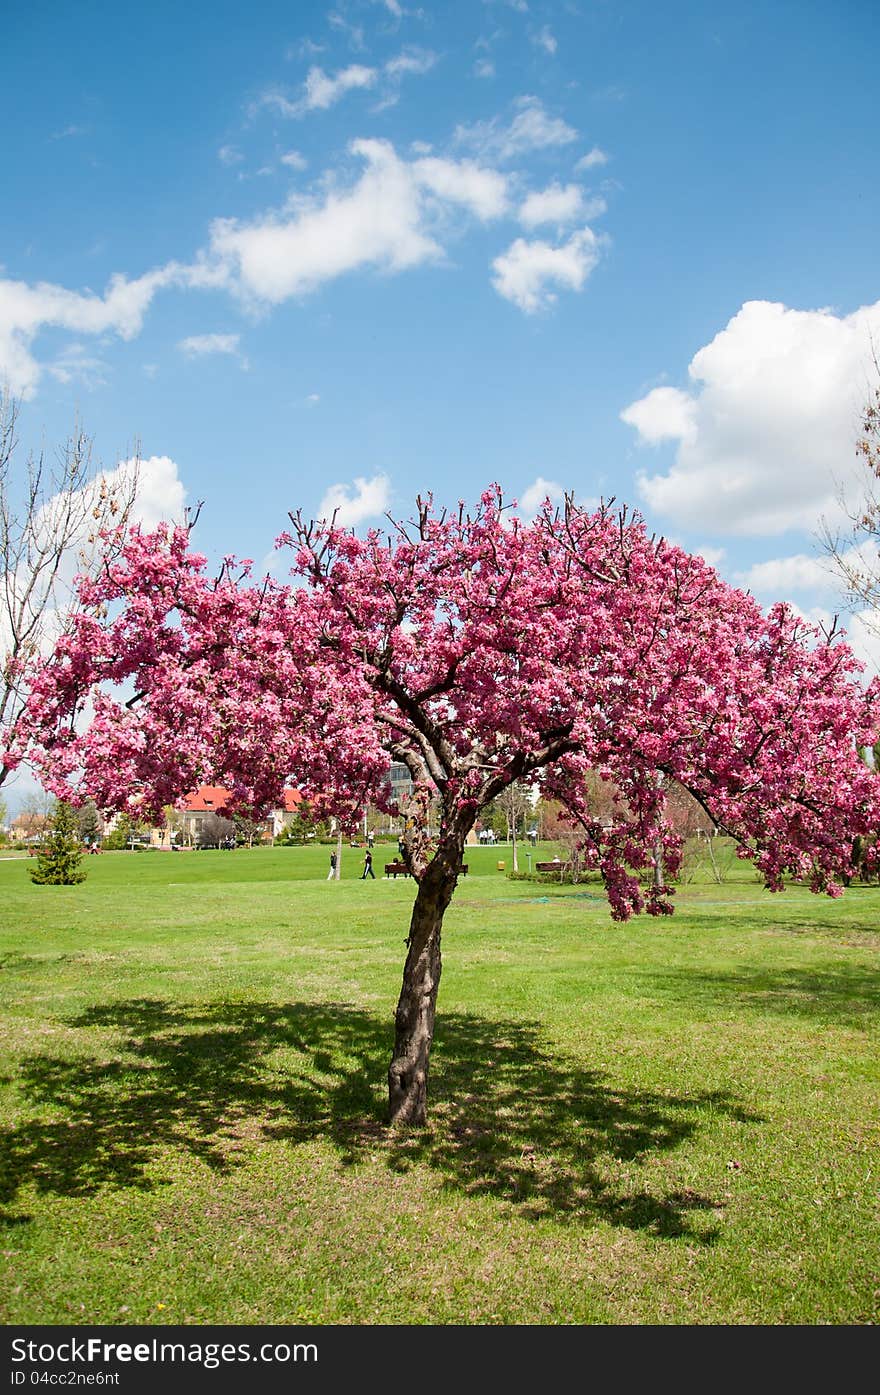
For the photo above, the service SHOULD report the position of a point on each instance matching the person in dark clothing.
(368, 866)
(332, 873)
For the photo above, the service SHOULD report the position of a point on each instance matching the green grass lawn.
(670, 1121)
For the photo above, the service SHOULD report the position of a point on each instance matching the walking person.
(332, 873)
(368, 866)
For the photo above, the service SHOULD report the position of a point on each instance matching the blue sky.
(309, 253)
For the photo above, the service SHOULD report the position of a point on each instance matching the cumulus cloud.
(294, 160)
(766, 434)
(527, 271)
(484, 68)
(531, 129)
(161, 495)
(355, 503)
(383, 220)
(781, 575)
(482, 191)
(229, 155)
(666, 414)
(714, 556)
(555, 204)
(392, 217)
(532, 498)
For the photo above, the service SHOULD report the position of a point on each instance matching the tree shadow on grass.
(840, 995)
(509, 1119)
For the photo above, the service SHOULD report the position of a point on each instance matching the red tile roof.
(213, 799)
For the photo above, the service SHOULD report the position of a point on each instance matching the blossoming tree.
(479, 650)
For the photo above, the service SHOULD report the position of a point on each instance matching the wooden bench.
(396, 869)
(400, 869)
(552, 866)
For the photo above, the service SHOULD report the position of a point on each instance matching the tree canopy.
(481, 650)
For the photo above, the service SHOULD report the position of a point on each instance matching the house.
(200, 805)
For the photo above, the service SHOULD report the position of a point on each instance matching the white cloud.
(666, 414)
(526, 271)
(554, 204)
(530, 129)
(483, 191)
(533, 497)
(392, 217)
(198, 345)
(714, 556)
(545, 40)
(230, 155)
(160, 496)
(294, 160)
(591, 160)
(781, 575)
(484, 68)
(76, 364)
(859, 629)
(355, 503)
(766, 435)
(384, 221)
(25, 310)
(815, 575)
(414, 60)
(322, 91)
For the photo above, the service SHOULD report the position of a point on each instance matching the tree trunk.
(657, 879)
(416, 1008)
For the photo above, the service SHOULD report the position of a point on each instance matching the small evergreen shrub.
(60, 854)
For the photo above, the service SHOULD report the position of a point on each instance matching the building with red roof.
(196, 808)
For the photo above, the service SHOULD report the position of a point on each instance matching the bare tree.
(216, 832)
(854, 552)
(514, 803)
(51, 515)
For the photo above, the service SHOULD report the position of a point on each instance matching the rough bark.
(417, 1005)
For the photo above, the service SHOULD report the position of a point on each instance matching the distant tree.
(302, 826)
(34, 818)
(247, 831)
(61, 851)
(214, 830)
(51, 519)
(89, 823)
(854, 552)
(125, 830)
(514, 802)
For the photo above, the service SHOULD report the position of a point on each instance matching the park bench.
(552, 866)
(396, 869)
(400, 869)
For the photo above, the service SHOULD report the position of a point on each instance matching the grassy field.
(665, 1122)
